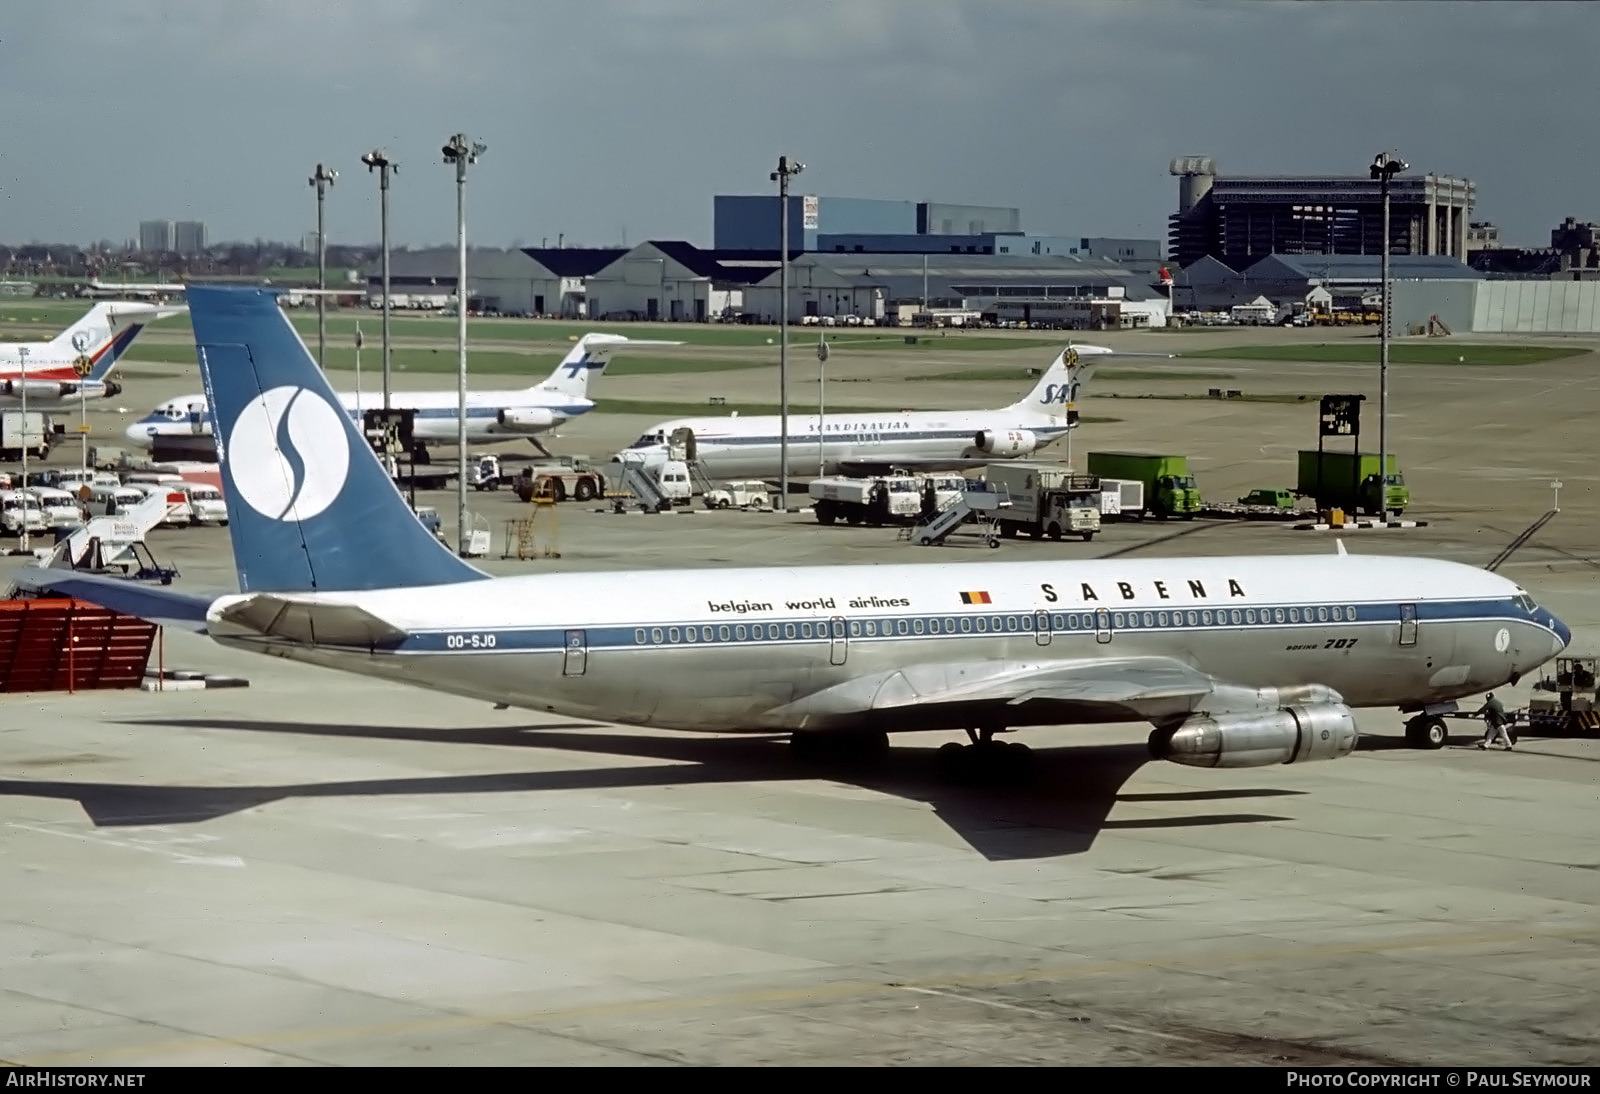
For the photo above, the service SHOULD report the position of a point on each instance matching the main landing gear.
(1427, 731)
(821, 747)
(985, 759)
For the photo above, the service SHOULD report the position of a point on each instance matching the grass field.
(704, 410)
(1266, 397)
(32, 317)
(531, 366)
(1428, 353)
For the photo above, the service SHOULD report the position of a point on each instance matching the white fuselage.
(184, 424)
(928, 439)
(736, 650)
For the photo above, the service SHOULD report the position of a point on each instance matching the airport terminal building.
(1241, 220)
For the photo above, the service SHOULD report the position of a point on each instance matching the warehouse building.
(526, 281)
(1490, 306)
(1337, 282)
(751, 222)
(669, 280)
(1069, 291)
(1241, 220)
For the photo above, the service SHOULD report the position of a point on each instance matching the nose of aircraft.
(1562, 634)
(138, 433)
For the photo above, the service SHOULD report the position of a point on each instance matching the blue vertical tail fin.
(310, 508)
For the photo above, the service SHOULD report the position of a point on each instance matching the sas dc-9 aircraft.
(1236, 662)
(182, 427)
(873, 442)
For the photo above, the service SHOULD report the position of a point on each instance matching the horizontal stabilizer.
(162, 607)
(311, 623)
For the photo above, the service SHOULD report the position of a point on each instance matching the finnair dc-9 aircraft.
(182, 427)
(1236, 662)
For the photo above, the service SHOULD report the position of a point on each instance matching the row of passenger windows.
(1062, 622)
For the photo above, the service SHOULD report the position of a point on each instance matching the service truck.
(876, 501)
(18, 431)
(1169, 489)
(557, 479)
(1122, 498)
(1046, 500)
(1349, 481)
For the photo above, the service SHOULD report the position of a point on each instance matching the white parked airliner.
(181, 428)
(869, 442)
(76, 364)
(1236, 661)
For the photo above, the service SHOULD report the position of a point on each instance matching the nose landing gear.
(1427, 731)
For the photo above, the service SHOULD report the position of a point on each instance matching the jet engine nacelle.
(1294, 734)
(1011, 442)
(526, 419)
(41, 389)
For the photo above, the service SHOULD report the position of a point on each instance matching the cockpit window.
(649, 440)
(1526, 602)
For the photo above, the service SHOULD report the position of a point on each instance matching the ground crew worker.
(1495, 722)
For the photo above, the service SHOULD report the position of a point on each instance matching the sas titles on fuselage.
(1160, 590)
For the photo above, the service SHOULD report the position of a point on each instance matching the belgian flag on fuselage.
(975, 598)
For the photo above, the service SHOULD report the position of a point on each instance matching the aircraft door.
(1408, 624)
(1102, 625)
(1041, 628)
(196, 419)
(575, 658)
(838, 643)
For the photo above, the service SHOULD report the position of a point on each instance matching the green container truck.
(1349, 481)
(1169, 489)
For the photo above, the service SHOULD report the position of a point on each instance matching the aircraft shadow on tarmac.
(1059, 810)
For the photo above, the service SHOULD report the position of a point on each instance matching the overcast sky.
(613, 119)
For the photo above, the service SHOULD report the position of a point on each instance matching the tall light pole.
(378, 160)
(322, 178)
(1384, 168)
(461, 152)
(822, 390)
(22, 355)
(786, 170)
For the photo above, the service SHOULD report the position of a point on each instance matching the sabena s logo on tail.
(287, 454)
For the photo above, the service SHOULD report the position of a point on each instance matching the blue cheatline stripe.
(871, 437)
(956, 624)
(431, 412)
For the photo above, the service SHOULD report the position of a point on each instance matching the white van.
(143, 478)
(107, 501)
(18, 510)
(676, 486)
(205, 501)
(179, 514)
(71, 479)
(61, 509)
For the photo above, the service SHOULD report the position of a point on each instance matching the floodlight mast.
(461, 153)
(787, 169)
(322, 179)
(378, 160)
(1384, 168)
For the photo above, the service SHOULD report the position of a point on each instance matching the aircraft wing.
(163, 607)
(1113, 688)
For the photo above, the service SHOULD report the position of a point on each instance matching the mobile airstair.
(969, 506)
(644, 489)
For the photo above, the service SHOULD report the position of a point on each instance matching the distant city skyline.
(620, 119)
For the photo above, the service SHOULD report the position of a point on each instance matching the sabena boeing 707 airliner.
(1236, 662)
